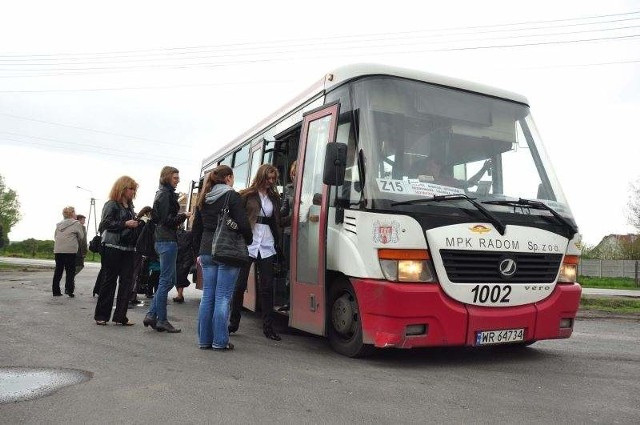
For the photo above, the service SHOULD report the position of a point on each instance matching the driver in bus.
(433, 173)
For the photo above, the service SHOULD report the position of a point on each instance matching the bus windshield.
(421, 140)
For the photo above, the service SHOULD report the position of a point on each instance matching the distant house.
(611, 247)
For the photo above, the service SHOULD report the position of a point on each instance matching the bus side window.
(256, 161)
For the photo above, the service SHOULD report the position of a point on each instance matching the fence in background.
(609, 268)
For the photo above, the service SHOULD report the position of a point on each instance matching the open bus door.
(309, 222)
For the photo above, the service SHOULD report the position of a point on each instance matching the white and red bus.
(426, 213)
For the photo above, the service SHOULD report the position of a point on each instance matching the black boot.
(166, 326)
(149, 321)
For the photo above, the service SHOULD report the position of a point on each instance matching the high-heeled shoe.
(271, 334)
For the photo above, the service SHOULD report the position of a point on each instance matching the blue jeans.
(218, 282)
(168, 252)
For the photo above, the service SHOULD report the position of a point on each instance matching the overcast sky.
(90, 91)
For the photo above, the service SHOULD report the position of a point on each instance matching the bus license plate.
(503, 336)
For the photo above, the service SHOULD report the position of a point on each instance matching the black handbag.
(95, 245)
(145, 245)
(228, 245)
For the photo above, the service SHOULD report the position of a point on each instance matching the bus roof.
(347, 73)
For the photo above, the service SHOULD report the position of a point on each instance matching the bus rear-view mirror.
(335, 162)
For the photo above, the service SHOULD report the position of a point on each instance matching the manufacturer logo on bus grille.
(507, 267)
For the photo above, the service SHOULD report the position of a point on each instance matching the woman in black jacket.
(118, 226)
(218, 278)
(167, 216)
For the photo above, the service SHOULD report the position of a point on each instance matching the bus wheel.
(345, 330)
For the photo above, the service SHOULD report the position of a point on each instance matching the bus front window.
(423, 140)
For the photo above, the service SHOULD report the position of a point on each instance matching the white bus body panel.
(354, 252)
(484, 237)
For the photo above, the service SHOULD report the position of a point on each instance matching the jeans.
(66, 263)
(218, 281)
(168, 252)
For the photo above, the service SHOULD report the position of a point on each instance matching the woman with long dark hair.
(167, 216)
(262, 203)
(218, 276)
(118, 241)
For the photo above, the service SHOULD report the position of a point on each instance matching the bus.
(426, 213)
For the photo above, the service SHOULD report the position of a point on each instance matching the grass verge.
(5, 267)
(607, 282)
(618, 305)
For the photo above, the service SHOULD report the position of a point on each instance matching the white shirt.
(263, 241)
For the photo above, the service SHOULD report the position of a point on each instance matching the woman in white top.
(262, 203)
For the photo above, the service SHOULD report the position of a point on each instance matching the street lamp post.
(92, 207)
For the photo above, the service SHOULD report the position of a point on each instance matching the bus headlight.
(406, 265)
(569, 269)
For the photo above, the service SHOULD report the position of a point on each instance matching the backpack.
(95, 245)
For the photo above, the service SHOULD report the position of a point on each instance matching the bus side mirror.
(335, 164)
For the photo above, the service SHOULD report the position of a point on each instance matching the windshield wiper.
(537, 205)
(458, 196)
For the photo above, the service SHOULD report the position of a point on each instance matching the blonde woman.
(119, 241)
(67, 239)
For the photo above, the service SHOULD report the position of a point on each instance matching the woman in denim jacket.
(118, 240)
(167, 216)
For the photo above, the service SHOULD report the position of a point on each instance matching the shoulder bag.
(228, 245)
(145, 244)
(95, 245)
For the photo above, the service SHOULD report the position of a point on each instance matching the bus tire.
(345, 326)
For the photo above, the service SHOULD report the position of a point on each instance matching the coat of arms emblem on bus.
(385, 232)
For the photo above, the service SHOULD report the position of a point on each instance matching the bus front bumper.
(422, 315)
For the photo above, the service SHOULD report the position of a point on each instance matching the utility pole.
(92, 208)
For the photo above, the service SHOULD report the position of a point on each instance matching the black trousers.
(118, 271)
(264, 268)
(66, 263)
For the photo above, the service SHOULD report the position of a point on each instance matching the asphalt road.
(141, 376)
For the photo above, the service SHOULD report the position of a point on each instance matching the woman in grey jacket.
(68, 237)
(118, 241)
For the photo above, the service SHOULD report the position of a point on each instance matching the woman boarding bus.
(384, 252)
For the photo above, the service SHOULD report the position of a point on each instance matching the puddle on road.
(20, 384)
